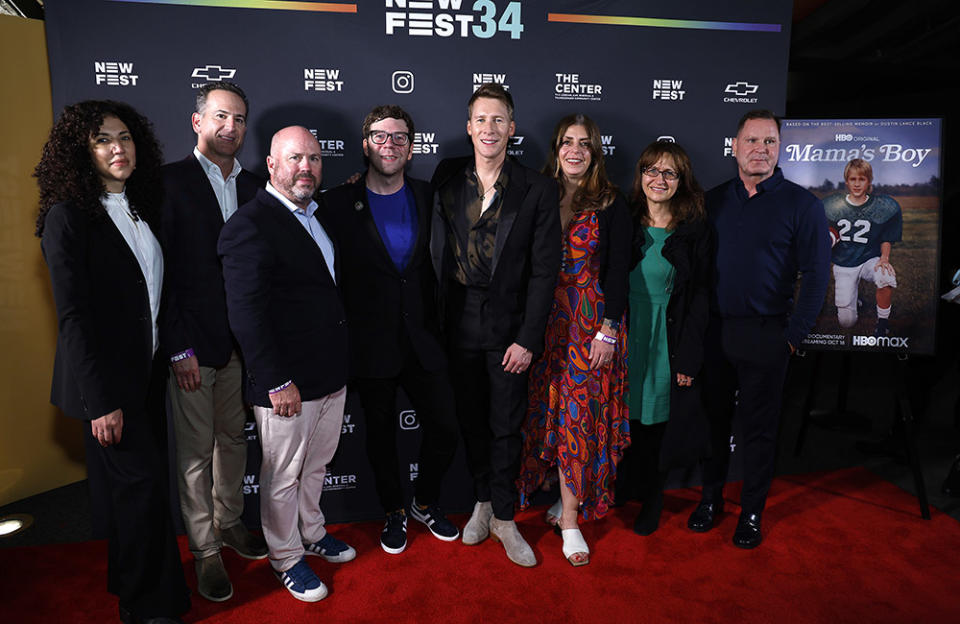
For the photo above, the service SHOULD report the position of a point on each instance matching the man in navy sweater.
(769, 230)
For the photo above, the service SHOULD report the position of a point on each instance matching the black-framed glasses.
(668, 174)
(379, 137)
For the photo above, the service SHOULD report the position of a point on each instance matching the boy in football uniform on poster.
(863, 228)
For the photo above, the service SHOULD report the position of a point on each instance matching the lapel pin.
(358, 206)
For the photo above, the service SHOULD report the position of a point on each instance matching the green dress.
(651, 283)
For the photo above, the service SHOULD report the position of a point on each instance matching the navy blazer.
(382, 300)
(283, 305)
(105, 340)
(195, 309)
(526, 256)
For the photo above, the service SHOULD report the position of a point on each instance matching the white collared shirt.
(225, 190)
(306, 218)
(145, 247)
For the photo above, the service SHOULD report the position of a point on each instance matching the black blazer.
(526, 256)
(381, 300)
(283, 305)
(195, 307)
(690, 249)
(105, 340)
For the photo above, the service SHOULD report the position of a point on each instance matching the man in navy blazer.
(496, 245)
(383, 224)
(280, 272)
(201, 192)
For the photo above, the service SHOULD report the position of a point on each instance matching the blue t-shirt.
(862, 228)
(396, 219)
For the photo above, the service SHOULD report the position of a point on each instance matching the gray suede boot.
(518, 551)
(478, 526)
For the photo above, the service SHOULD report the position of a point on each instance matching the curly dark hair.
(687, 204)
(595, 191)
(66, 170)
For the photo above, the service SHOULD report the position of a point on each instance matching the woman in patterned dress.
(669, 288)
(577, 421)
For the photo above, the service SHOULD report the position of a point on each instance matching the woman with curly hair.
(669, 288)
(99, 193)
(577, 424)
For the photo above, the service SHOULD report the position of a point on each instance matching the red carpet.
(839, 547)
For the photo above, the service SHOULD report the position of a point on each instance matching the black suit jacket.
(195, 310)
(381, 300)
(283, 305)
(526, 257)
(105, 340)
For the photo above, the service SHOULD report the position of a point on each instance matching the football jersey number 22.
(859, 236)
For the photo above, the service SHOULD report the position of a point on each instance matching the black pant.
(745, 367)
(431, 395)
(129, 488)
(638, 475)
(491, 405)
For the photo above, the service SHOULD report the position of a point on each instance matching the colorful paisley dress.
(577, 417)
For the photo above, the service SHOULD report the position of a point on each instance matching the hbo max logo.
(408, 420)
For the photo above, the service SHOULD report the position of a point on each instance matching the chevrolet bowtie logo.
(741, 88)
(213, 73)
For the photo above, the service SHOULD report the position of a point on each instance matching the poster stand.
(902, 411)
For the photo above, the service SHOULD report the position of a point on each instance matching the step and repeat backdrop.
(682, 71)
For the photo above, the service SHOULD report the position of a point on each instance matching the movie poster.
(880, 183)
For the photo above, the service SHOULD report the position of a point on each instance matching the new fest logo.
(425, 142)
(481, 79)
(115, 73)
(322, 79)
(482, 19)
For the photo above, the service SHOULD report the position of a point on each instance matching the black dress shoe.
(704, 516)
(748, 533)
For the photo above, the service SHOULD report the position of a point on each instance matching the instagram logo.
(408, 420)
(402, 81)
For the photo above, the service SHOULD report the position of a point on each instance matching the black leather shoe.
(748, 533)
(648, 520)
(704, 516)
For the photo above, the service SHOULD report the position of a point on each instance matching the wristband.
(181, 356)
(282, 386)
(605, 338)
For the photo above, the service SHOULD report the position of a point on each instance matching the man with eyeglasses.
(769, 230)
(496, 248)
(389, 290)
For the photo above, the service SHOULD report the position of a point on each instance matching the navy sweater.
(763, 243)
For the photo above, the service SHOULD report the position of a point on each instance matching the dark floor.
(63, 514)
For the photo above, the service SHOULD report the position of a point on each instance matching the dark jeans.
(431, 395)
(743, 375)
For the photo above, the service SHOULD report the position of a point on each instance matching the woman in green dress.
(669, 307)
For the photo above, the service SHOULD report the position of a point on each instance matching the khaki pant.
(296, 451)
(211, 453)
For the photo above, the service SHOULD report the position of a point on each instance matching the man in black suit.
(201, 192)
(280, 272)
(382, 222)
(496, 248)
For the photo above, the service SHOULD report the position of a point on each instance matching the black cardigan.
(613, 250)
(690, 249)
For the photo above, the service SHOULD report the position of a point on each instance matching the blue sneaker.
(331, 549)
(302, 583)
(438, 524)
